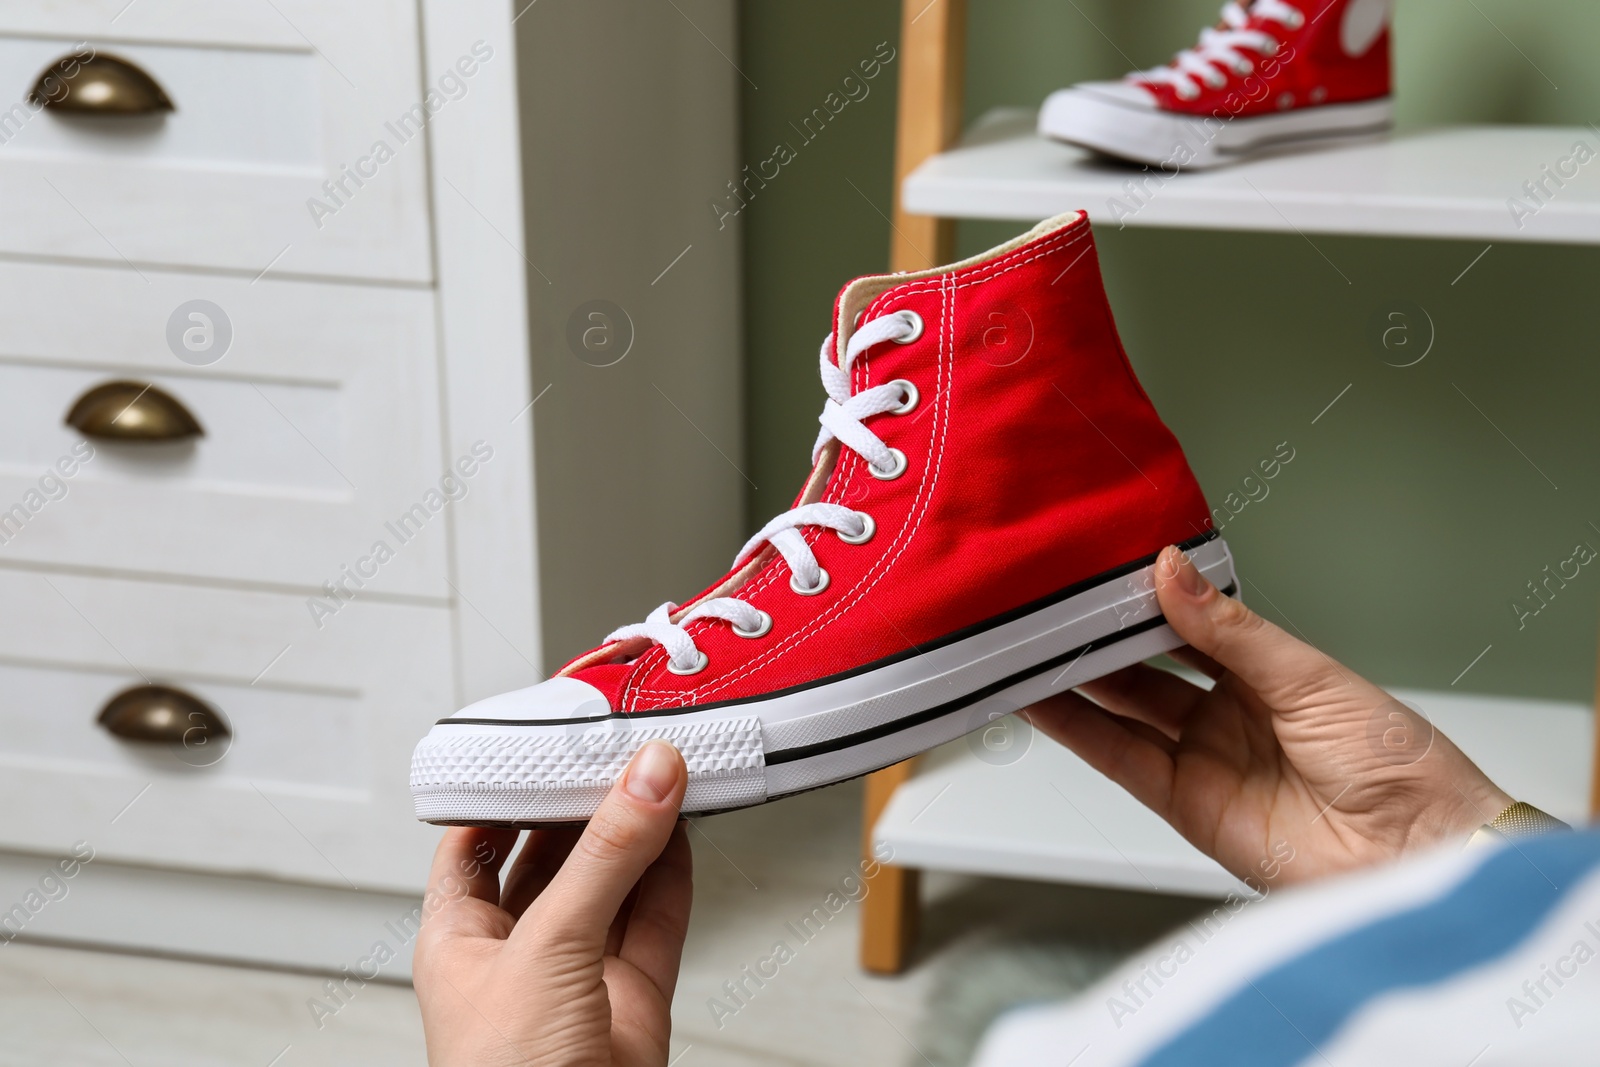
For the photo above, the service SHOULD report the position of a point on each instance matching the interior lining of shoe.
(859, 294)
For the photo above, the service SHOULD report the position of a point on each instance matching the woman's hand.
(1290, 750)
(574, 959)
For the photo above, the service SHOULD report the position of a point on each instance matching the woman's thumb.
(623, 838)
(1261, 655)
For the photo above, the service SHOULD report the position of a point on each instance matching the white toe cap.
(552, 699)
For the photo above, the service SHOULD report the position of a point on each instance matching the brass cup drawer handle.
(132, 411)
(161, 714)
(98, 85)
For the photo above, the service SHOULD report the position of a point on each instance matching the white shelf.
(1048, 817)
(1450, 183)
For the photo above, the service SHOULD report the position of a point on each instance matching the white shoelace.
(841, 419)
(1219, 47)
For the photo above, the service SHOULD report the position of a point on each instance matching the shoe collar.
(860, 293)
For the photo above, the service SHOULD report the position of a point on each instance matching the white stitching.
(634, 694)
(920, 508)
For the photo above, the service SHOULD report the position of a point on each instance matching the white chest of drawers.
(347, 549)
(272, 102)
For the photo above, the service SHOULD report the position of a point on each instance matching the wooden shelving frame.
(929, 117)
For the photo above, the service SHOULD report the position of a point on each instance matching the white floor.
(756, 871)
(65, 1006)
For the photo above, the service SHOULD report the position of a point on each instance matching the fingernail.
(1190, 580)
(653, 772)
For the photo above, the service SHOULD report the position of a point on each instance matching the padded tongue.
(855, 297)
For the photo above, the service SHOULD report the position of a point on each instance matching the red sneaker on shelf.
(1274, 75)
(989, 492)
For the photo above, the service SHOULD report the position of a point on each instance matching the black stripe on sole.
(861, 737)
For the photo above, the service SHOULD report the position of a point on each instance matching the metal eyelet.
(699, 666)
(761, 630)
(892, 473)
(822, 583)
(868, 528)
(912, 397)
(914, 321)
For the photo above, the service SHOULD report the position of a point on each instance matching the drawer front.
(189, 21)
(320, 429)
(294, 141)
(312, 784)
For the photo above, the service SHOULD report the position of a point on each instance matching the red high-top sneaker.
(990, 489)
(1274, 75)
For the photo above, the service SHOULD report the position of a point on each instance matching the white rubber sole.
(1189, 142)
(748, 752)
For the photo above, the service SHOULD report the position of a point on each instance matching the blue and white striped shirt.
(1473, 959)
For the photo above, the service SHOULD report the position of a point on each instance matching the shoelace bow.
(841, 420)
(1220, 47)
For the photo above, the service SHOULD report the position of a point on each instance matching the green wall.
(1409, 520)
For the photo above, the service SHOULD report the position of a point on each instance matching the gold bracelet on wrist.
(1519, 820)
